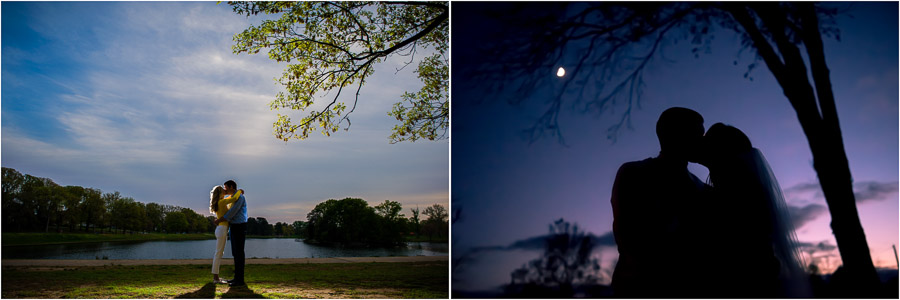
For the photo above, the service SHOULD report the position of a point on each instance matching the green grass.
(19, 239)
(353, 280)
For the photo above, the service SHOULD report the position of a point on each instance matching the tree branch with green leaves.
(330, 46)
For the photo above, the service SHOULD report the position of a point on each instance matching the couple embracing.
(230, 208)
(680, 237)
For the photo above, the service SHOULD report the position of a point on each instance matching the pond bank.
(203, 249)
(36, 239)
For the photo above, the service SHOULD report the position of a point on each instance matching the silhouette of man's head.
(680, 131)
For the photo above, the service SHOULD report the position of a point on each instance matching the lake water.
(202, 249)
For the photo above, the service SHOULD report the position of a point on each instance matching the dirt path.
(250, 261)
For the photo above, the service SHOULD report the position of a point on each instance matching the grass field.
(30, 238)
(350, 280)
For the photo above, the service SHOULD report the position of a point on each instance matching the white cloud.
(17, 144)
(160, 109)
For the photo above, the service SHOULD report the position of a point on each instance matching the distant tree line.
(353, 221)
(36, 204)
(261, 227)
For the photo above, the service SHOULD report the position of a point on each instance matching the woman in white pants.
(219, 203)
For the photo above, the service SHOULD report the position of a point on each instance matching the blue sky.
(146, 98)
(510, 191)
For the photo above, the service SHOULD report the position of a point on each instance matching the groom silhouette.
(656, 214)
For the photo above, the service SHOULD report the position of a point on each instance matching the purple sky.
(508, 190)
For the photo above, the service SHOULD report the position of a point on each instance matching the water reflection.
(259, 248)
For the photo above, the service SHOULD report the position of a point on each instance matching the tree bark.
(822, 129)
(830, 161)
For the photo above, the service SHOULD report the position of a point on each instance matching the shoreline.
(15, 239)
(50, 239)
(250, 261)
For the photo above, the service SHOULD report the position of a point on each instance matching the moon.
(561, 72)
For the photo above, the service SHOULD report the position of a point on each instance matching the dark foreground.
(315, 280)
(829, 286)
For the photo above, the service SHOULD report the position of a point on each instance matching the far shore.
(37, 239)
(40, 238)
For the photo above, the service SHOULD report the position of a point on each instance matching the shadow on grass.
(208, 291)
(242, 292)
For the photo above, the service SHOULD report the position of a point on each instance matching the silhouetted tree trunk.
(819, 122)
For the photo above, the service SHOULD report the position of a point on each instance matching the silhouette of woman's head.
(680, 131)
(723, 141)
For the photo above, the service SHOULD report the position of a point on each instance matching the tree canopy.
(436, 212)
(331, 46)
(351, 221)
(35, 204)
(389, 210)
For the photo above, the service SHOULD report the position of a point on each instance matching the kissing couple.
(228, 204)
(730, 237)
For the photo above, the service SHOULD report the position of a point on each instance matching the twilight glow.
(508, 191)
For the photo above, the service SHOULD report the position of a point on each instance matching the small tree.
(390, 210)
(436, 224)
(392, 223)
(565, 265)
(264, 227)
(298, 228)
(279, 229)
(436, 212)
(93, 208)
(72, 204)
(253, 226)
(155, 217)
(414, 220)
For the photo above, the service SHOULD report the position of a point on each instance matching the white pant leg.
(221, 232)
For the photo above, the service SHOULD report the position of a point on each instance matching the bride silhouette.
(752, 227)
